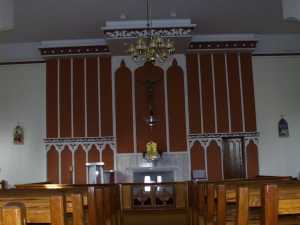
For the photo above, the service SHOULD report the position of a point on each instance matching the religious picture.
(18, 135)
(283, 128)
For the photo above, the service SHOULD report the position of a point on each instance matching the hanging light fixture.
(151, 48)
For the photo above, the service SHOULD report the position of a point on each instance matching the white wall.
(22, 99)
(277, 89)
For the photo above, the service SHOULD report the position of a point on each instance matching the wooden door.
(233, 158)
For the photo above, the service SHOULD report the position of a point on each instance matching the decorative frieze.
(143, 32)
(73, 143)
(206, 139)
(74, 50)
(222, 45)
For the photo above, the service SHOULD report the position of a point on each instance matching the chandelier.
(151, 47)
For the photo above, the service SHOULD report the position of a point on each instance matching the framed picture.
(18, 135)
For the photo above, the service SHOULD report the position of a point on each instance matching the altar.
(171, 167)
(153, 175)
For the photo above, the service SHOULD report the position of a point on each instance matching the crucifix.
(150, 84)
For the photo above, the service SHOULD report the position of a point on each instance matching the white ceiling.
(37, 20)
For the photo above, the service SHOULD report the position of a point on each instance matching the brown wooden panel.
(248, 92)
(207, 94)
(106, 96)
(92, 99)
(252, 160)
(194, 93)
(197, 157)
(124, 116)
(176, 108)
(66, 166)
(78, 98)
(214, 164)
(65, 97)
(80, 169)
(93, 155)
(108, 158)
(51, 98)
(52, 165)
(233, 163)
(221, 93)
(144, 132)
(234, 92)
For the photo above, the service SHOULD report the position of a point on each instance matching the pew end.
(14, 213)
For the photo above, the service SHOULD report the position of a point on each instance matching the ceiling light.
(151, 47)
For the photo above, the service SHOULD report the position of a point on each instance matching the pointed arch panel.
(80, 169)
(176, 108)
(66, 166)
(214, 163)
(53, 165)
(108, 158)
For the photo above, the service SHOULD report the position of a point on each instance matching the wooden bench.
(102, 202)
(209, 200)
(32, 207)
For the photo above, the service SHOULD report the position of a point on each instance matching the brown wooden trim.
(207, 94)
(52, 98)
(80, 169)
(214, 163)
(234, 92)
(22, 62)
(108, 158)
(66, 166)
(106, 96)
(52, 166)
(65, 98)
(93, 155)
(248, 92)
(124, 109)
(197, 157)
(252, 160)
(158, 132)
(193, 93)
(176, 108)
(221, 93)
(276, 54)
(74, 50)
(78, 98)
(212, 45)
(92, 101)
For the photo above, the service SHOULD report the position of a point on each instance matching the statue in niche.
(283, 128)
(18, 135)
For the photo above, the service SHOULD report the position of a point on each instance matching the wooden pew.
(210, 198)
(14, 214)
(280, 200)
(285, 201)
(101, 201)
(32, 207)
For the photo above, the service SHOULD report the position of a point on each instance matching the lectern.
(95, 172)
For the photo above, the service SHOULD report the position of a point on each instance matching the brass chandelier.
(151, 48)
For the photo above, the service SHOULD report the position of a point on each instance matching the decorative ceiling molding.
(138, 28)
(80, 50)
(223, 45)
(134, 33)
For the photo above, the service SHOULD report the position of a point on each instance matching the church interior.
(150, 112)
